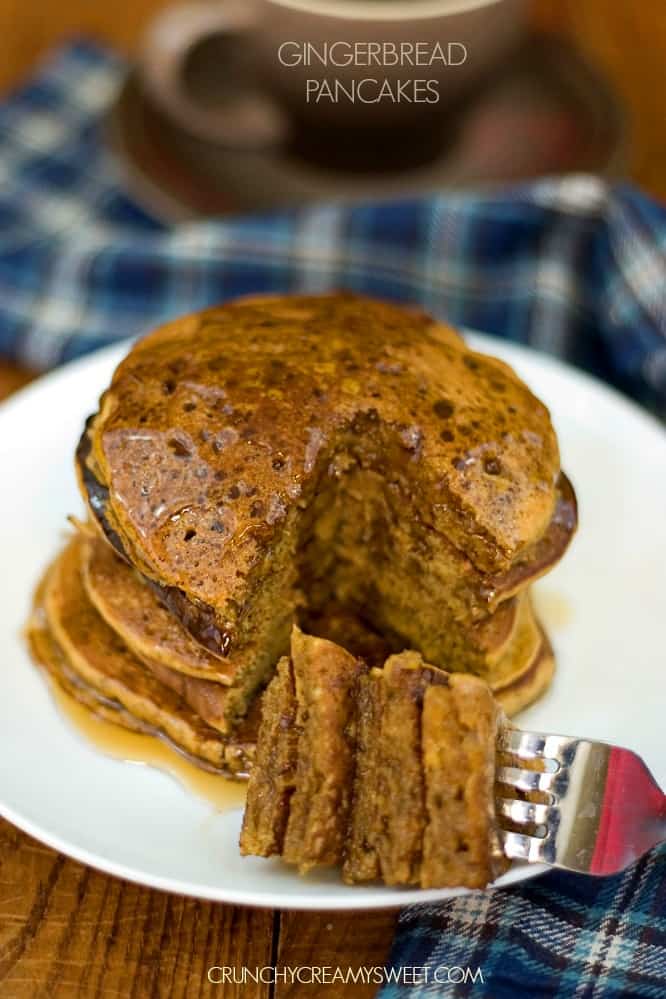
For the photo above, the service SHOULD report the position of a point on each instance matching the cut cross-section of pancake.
(519, 661)
(361, 861)
(461, 845)
(387, 774)
(325, 683)
(273, 777)
(400, 798)
(300, 788)
(94, 653)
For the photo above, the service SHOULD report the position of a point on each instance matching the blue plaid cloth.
(572, 266)
(562, 936)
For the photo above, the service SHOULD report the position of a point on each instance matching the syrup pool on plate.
(221, 792)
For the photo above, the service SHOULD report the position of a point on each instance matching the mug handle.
(252, 121)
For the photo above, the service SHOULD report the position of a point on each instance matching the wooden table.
(68, 931)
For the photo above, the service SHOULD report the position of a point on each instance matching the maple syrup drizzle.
(120, 743)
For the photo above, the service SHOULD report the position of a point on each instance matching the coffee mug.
(324, 64)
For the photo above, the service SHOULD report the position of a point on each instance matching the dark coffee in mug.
(350, 65)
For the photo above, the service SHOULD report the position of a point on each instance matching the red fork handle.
(633, 814)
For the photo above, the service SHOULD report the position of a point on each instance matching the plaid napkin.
(572, 266)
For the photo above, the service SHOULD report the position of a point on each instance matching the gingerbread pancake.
(293, 452)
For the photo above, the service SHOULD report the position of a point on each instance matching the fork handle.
(633, 816)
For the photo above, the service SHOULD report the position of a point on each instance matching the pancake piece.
(461, 845)
(273, 778)
(388, 774)
(300, 789)
(361, 861)
(400, 815)
(408, 780)
(351, 453)
(325, 682)
(386, 832)
(94, 653)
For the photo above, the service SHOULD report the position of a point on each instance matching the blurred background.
(614, 53)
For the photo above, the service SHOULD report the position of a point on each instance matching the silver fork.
(602, 807)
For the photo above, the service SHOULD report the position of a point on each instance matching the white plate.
(604, 605)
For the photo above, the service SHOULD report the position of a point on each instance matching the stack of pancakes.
(105, 638)
(331, 460)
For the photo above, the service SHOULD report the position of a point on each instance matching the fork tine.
(523, 812)
(518, 846)
(600, 807)
(525, 780)
(540, 745)
(513, 740)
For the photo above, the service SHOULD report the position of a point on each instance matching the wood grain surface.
(69, 931)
